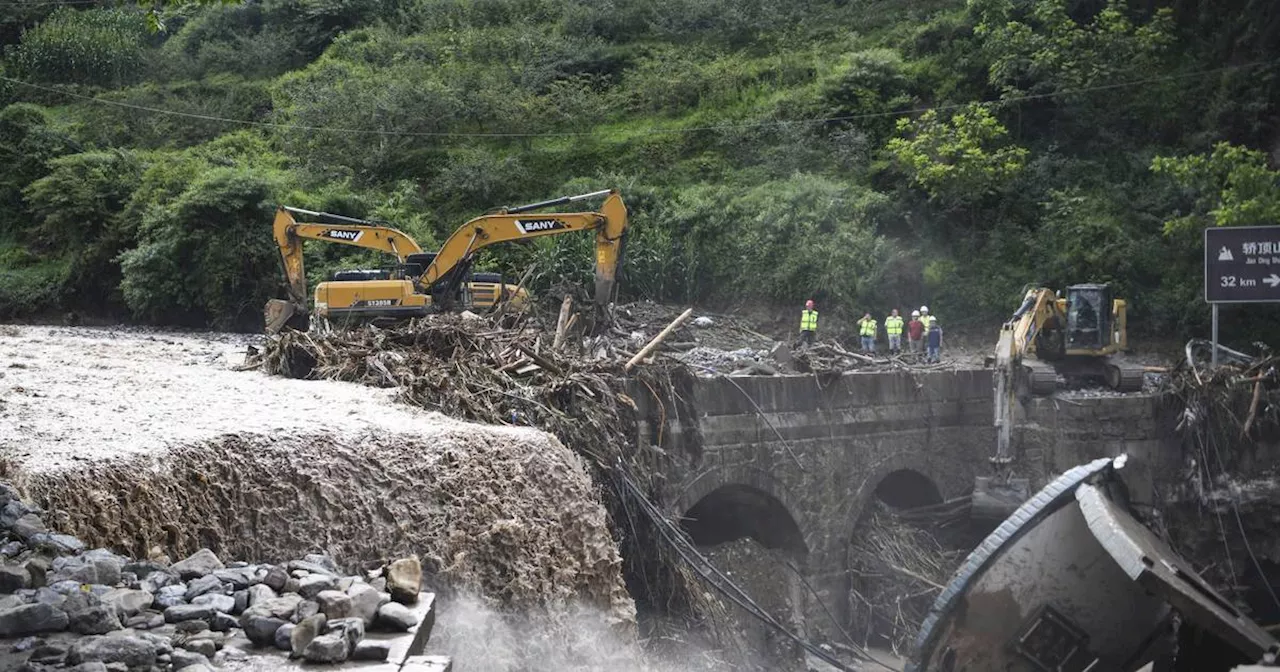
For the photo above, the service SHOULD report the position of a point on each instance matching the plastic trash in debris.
(703, 321)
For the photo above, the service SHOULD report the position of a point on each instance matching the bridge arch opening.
(732, 512)
(907, 489)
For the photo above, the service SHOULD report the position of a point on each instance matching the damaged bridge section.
(794, 462)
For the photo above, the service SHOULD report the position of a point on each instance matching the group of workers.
(922, 330)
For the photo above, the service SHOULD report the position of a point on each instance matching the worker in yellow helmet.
(808, 323)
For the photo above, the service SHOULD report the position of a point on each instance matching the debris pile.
(1240, 398)
(898, 568)
(73, 606)
(479, 370)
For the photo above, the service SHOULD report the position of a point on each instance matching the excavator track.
(1041, 379)
(1125, 378)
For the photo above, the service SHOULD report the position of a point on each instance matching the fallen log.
(562, 323)
(657, 340)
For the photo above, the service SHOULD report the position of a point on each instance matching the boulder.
(95, 666)
(28, 526)
(282, 607)
(97, 619)
(188, 612)
(219, 602)
(143, 569)
(57, 544)
(30, 619)
(239, 578)
(306, 609)
(38, 569)
(322, 560)
(201, 563)
(201, 645)
(396, 616)
(326, 649)
(158, 579)
(275, 578)
(369, 649)
(364, 602)
(261, 630)
(307, 629)
(12, 549)
(202, 585)
(128, 602)
(13, 578)
(260, 593)
(404, 579)
(171, 596)
(222, 622)
(181, 659)
(283, 637)
(50, 654)
(352, 629)
(108, 564)
(145, 621)
(311, 585)
(118, 648)
(334, 604)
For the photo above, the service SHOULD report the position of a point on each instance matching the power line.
(652, 131)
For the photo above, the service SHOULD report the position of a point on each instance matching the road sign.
(1242, 264)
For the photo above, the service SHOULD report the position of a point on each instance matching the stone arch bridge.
(794, 461)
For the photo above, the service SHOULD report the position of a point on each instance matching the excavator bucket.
(279, 313)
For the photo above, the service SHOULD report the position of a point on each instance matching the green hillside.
(867, 153)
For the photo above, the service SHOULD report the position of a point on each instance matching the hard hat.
(808, 304)
(924, 309)
(915, 313)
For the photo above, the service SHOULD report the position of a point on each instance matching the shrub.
(101, 47)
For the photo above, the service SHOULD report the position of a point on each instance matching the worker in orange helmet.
(808, 323)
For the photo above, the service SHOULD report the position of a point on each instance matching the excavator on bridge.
(426, 282)
(1050, 336)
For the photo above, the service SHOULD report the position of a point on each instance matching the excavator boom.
(609, 224)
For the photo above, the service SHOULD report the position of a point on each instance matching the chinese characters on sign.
(1242, 264)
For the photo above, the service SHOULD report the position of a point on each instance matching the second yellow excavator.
(425, 282)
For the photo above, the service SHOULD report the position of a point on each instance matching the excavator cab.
(1088, 317)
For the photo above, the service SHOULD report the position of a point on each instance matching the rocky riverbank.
(67, 607)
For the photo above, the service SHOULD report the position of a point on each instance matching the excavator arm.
(1016, 338)
(289, 234)
(452, 263)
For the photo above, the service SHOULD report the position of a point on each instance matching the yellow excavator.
(1050, 336)
(425, 282)
(1047, 337)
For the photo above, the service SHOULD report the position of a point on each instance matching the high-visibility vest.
(868, 327)
(893, 325)
(808, 320)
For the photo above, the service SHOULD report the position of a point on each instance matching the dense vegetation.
(867, 153)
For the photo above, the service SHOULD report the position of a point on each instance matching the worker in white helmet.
(926, 318)
(915, 334)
